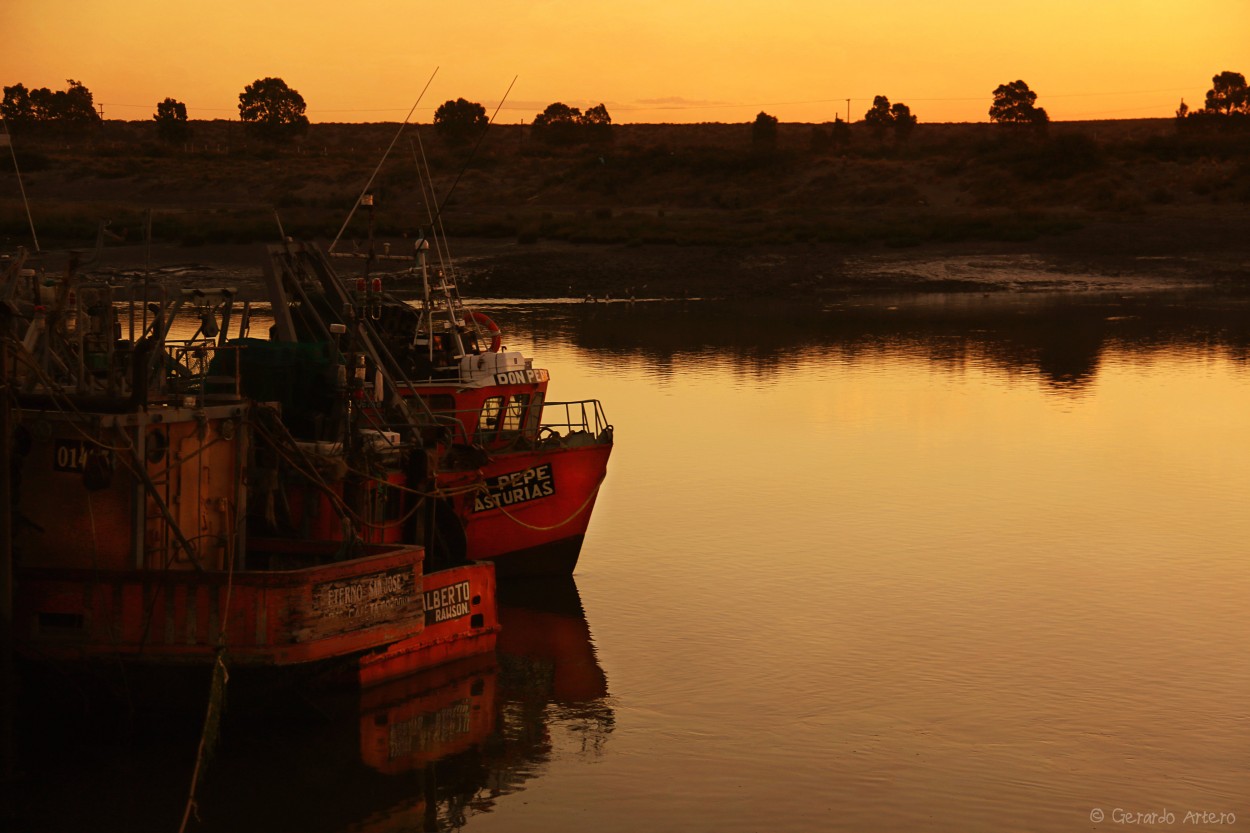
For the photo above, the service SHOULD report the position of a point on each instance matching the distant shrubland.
(633, 184)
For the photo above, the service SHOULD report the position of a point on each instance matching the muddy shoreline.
(1124, 259)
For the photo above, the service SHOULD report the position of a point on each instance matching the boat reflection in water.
(424, 752)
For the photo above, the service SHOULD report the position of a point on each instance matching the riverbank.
(671, 210)
(1142, 254)
(1127, 257)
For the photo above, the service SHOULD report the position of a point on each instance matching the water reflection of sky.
(975, 569)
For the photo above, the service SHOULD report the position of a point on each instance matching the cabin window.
(489, 421)
(514, 416)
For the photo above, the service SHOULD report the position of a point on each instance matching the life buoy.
(483, 322)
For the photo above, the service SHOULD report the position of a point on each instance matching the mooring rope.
(564, 522)
(211, 730)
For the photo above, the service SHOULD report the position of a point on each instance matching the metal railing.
(559, 420)
(463, 427)
(584, 416)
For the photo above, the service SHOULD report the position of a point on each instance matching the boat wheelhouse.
(514, 476)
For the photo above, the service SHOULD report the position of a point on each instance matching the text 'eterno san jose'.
(365, 596)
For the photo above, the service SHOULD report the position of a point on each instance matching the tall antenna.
(381, 161)
(5, 139)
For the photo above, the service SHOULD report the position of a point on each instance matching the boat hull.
(531, 515)
(377, 611)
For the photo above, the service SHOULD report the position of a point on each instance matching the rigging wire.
(8, 140)
(434, 208)
(442, 249)
(473, 154)
(382, 161)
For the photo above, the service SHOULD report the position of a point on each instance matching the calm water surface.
(957, 564)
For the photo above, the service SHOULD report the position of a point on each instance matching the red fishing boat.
(136, 481)
(514, 476)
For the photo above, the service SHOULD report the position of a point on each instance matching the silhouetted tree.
(17, 107)
(43, 104)
(557, 125)
(764, 132)
(72, 107)
(904, 120)
(561, 124)
(1015, 104)
(1227, 106)
(171, 121)
(460, 122)
(1187, 120)
(271, 110)
(883, 116)
(1228, 94)
(879, 118)
(597, 124)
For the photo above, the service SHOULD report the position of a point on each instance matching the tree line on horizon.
(272, 111)
(1227, 102)
(460, 122)
(72, 107)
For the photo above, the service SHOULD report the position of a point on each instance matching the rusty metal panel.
(167, 594)
(69, 525)
(192, 624)
(214, 615)
(262, 619)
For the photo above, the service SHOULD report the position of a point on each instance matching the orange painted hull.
(532, 517)
(374, 607)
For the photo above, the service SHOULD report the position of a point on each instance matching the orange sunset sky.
(647, 60)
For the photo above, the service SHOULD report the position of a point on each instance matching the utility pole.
(848, 111)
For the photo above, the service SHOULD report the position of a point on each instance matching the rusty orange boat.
(140, 484)
(514, 476)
